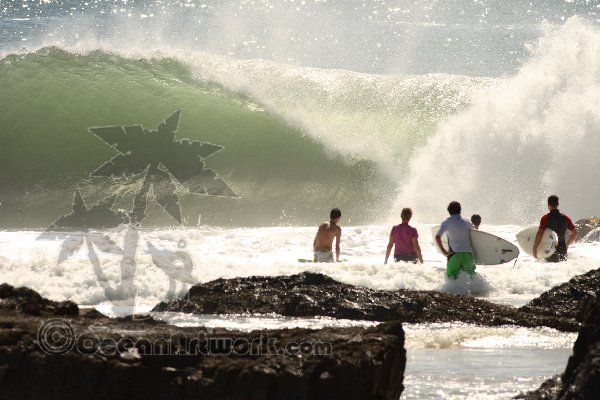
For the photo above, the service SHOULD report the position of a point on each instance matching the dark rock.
(92, 313)
(581, 379)
(566, 300)
(90, 357)
(310, 294)
(27, 301)
(547, 391)
(588, 229)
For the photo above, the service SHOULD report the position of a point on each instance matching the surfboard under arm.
(547, 245)
(488, 249)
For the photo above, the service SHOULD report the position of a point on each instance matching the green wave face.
(50, 98)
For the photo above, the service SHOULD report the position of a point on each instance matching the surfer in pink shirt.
(406, 240)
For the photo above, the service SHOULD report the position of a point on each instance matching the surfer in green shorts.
(460, 256)
(322, 245)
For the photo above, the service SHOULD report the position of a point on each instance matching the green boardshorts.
(460, 261)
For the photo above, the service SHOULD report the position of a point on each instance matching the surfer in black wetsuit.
(559, 223)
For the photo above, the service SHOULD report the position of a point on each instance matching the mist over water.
(535, 134)
(482, 37)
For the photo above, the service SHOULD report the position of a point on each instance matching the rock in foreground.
(26, 301)
(581, 379)
(312, 294)
(85, 357)
(566, 300)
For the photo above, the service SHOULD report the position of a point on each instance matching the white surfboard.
(488, 249)
(547, 246)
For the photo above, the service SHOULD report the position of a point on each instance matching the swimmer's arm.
(572, 236)
(338, 235)
(438, 240)
(572, 232)
(417, 249)
(389, 249)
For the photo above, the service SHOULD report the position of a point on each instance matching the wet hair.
(406, 214)
(335, 213)
(454, 208)
(475, 219)
(553, 201)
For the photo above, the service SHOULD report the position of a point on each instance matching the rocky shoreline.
(53, 350)
(311, 294)
(567, 300)
(581, 379)
(50, 350)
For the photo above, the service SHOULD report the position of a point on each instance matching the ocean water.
(369, 106)
(316, 104)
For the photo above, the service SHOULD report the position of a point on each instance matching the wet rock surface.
(566, 300)
(588, 229)
(46, 354)
(312, 294)
(581, 379)
(26, 301)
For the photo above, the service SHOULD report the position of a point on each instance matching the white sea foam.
(256, 322)
(228, 253)
(456, 335)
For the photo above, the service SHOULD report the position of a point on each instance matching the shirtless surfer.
(322, 246)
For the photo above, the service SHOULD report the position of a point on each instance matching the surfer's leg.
(330, 257)
(458, 262)
(559, 255)
(467, 263)
(453, 266)
(405, 257)
(323, 256)
(556, 257)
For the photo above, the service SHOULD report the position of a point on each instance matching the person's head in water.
(454, 208)
(335, 215)
(553, 202)
(476, 220)
(406, 214)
